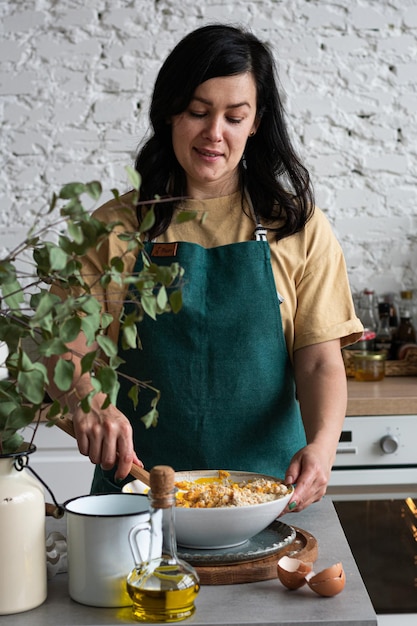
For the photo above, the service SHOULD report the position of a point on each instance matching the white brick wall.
(76, 77)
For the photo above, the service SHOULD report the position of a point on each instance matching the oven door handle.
(349, 450)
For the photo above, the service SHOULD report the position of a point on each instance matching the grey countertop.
(265, 603)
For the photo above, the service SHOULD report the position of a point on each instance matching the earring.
(251, 134)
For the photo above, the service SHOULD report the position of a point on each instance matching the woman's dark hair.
(277, 182)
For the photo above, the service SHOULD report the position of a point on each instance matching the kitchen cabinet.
(266, 603)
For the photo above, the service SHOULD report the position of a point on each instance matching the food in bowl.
(222, 491)
(218, 527)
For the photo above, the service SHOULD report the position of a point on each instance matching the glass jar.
(369, 366)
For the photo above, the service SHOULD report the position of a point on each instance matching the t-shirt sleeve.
(325, 308)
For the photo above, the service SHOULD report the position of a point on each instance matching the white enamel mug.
(4, 353)
(99, 554)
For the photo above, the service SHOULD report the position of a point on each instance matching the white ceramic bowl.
(221, 527)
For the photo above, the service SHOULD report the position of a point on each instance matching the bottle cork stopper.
(162, 483)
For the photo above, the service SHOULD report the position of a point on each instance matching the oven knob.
(389, 444)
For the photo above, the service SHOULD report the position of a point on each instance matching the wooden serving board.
(304, 547)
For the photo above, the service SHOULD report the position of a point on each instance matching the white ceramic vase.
(23, 582)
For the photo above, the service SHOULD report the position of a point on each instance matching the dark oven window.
(382, 535)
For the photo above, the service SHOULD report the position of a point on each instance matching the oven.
(374, 489)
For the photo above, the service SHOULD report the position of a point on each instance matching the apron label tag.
(165, 249)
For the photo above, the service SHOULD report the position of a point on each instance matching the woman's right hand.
(105, 436)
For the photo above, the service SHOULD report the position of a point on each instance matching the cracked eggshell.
(329, 582)
(292, 572)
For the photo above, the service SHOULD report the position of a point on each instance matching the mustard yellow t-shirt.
(308, 267)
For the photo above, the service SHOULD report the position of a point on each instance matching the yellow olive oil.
(163, 605)
(164, 587)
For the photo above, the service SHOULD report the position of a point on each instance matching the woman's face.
(209, 137)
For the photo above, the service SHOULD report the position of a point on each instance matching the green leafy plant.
(36, 324)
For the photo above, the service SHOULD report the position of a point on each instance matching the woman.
(250, 371)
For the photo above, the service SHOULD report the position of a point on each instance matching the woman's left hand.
(309, 470)
(320, 378)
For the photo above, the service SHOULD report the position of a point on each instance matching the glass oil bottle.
(368, 319)
(405, 333)
(163, 588)
(383, 339)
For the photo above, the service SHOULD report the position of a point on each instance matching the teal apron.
(227, 387)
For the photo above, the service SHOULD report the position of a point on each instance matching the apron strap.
(260, 232)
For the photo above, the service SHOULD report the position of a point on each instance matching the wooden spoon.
(65, 424)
